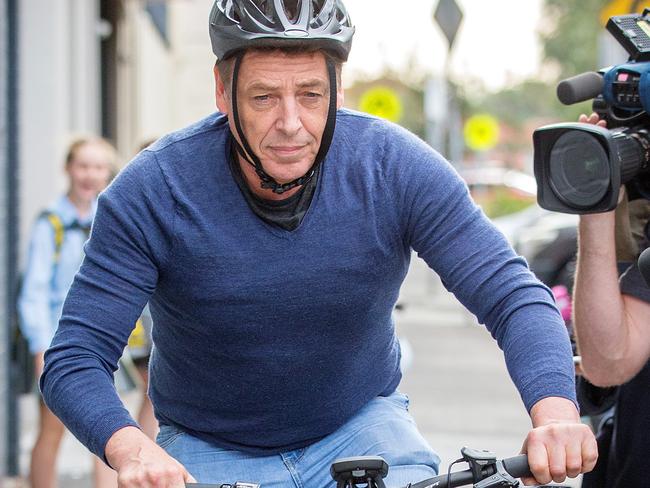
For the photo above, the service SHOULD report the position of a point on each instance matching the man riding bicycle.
(271, 240)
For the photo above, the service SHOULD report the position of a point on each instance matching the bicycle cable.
(459, 460)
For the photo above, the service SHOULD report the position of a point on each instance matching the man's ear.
(221, 95)
(340, 95)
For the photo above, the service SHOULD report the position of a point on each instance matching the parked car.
(549, 244)
(500, 191)
(547, 240)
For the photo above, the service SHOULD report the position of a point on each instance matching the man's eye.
(261, 98)
(313, 95)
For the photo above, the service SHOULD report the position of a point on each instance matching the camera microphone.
(579, 88)
(644, 265)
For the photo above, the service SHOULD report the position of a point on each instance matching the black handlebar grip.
(517, 466)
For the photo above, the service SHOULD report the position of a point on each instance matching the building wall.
(143, 73)
(193, 61)
(59, 93)
(162, 87)
(60, 89)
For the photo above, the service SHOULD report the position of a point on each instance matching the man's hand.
(559, 445)
(141, 463)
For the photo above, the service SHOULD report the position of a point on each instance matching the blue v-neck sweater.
(266, 340)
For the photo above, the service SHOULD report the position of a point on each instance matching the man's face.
(283, 103)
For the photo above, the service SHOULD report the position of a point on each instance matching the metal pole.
(4, 122)
(9, 447)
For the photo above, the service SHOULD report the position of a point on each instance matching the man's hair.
(225, 66)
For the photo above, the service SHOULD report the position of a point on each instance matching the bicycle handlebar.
(515, 467)
(500, 471)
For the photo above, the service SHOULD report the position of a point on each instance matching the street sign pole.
(442, 120)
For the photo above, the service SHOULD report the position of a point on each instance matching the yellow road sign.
(481, 132)
(619, 7)
(382, 102)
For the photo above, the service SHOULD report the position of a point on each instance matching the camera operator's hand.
(592, 119)
(595, 120)
(559, 445)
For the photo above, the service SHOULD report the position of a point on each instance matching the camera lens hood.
(577, 168)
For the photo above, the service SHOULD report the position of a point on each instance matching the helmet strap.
(246, 152)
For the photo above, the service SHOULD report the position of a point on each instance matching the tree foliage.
(569, 34)
(528, 99)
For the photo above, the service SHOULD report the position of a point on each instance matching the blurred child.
(55, 254)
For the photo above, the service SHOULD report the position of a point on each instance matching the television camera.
(579, 167)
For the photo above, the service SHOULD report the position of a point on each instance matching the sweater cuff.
(549, 385)
(104, 430)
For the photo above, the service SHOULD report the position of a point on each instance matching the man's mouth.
(288, 150)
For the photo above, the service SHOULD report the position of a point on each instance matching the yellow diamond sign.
(619, 7)
(481, 132)
(382, 102)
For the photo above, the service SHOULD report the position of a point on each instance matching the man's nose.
(289, 117)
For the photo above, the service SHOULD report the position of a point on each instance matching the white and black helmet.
(237, 25)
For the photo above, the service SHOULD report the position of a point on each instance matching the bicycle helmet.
(237, 25)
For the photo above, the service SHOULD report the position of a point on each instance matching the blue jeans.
(382, 428)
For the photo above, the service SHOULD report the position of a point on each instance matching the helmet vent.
(291, 9)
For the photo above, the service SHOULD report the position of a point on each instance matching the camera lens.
(579, 169)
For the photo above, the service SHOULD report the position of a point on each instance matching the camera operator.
(612, 325)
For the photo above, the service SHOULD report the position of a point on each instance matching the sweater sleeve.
(476, 263)
(129, 244)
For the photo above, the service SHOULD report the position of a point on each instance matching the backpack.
(22, 360)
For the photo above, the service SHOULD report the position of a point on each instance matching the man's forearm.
(598, 306)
